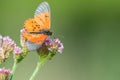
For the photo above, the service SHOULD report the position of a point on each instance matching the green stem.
(0, 63)
(13, 69)
(38, 67)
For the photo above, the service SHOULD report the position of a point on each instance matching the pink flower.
(4, 73)
(6, 47)
(17, 50)
(54, 45)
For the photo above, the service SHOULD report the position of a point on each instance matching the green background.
(89, 30)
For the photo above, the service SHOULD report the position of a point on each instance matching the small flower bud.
(18, 53)
(17, 50)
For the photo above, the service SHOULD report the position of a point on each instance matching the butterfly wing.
(40, 22)
(41, 19)
(42, 16)
(38, 38)
(42, 8)
(31, 26)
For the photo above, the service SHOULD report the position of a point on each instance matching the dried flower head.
(54, 45)
(22, 39)
(4, 73)
(6, 47)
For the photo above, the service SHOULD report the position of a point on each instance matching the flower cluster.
(46, 51)
(4, 73)
(6, 47)
(54, 45)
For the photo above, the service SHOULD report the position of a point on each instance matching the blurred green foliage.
(89, 30)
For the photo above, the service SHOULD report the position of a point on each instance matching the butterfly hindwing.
(37, 38)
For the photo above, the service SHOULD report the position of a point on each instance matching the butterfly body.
(46, 32)
(38, 28)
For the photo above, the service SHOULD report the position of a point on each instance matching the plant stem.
(0, 63)
(38, 67)
(13, 69)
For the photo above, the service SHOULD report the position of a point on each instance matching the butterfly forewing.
(38, 24)
(42, 16)
(42, 8)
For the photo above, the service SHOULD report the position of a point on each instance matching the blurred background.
(89, 30)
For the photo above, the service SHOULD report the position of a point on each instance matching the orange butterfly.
(38, 27)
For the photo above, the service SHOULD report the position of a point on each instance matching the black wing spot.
(33, 29)
(46, 16)
(31, 21)
(38, 27)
